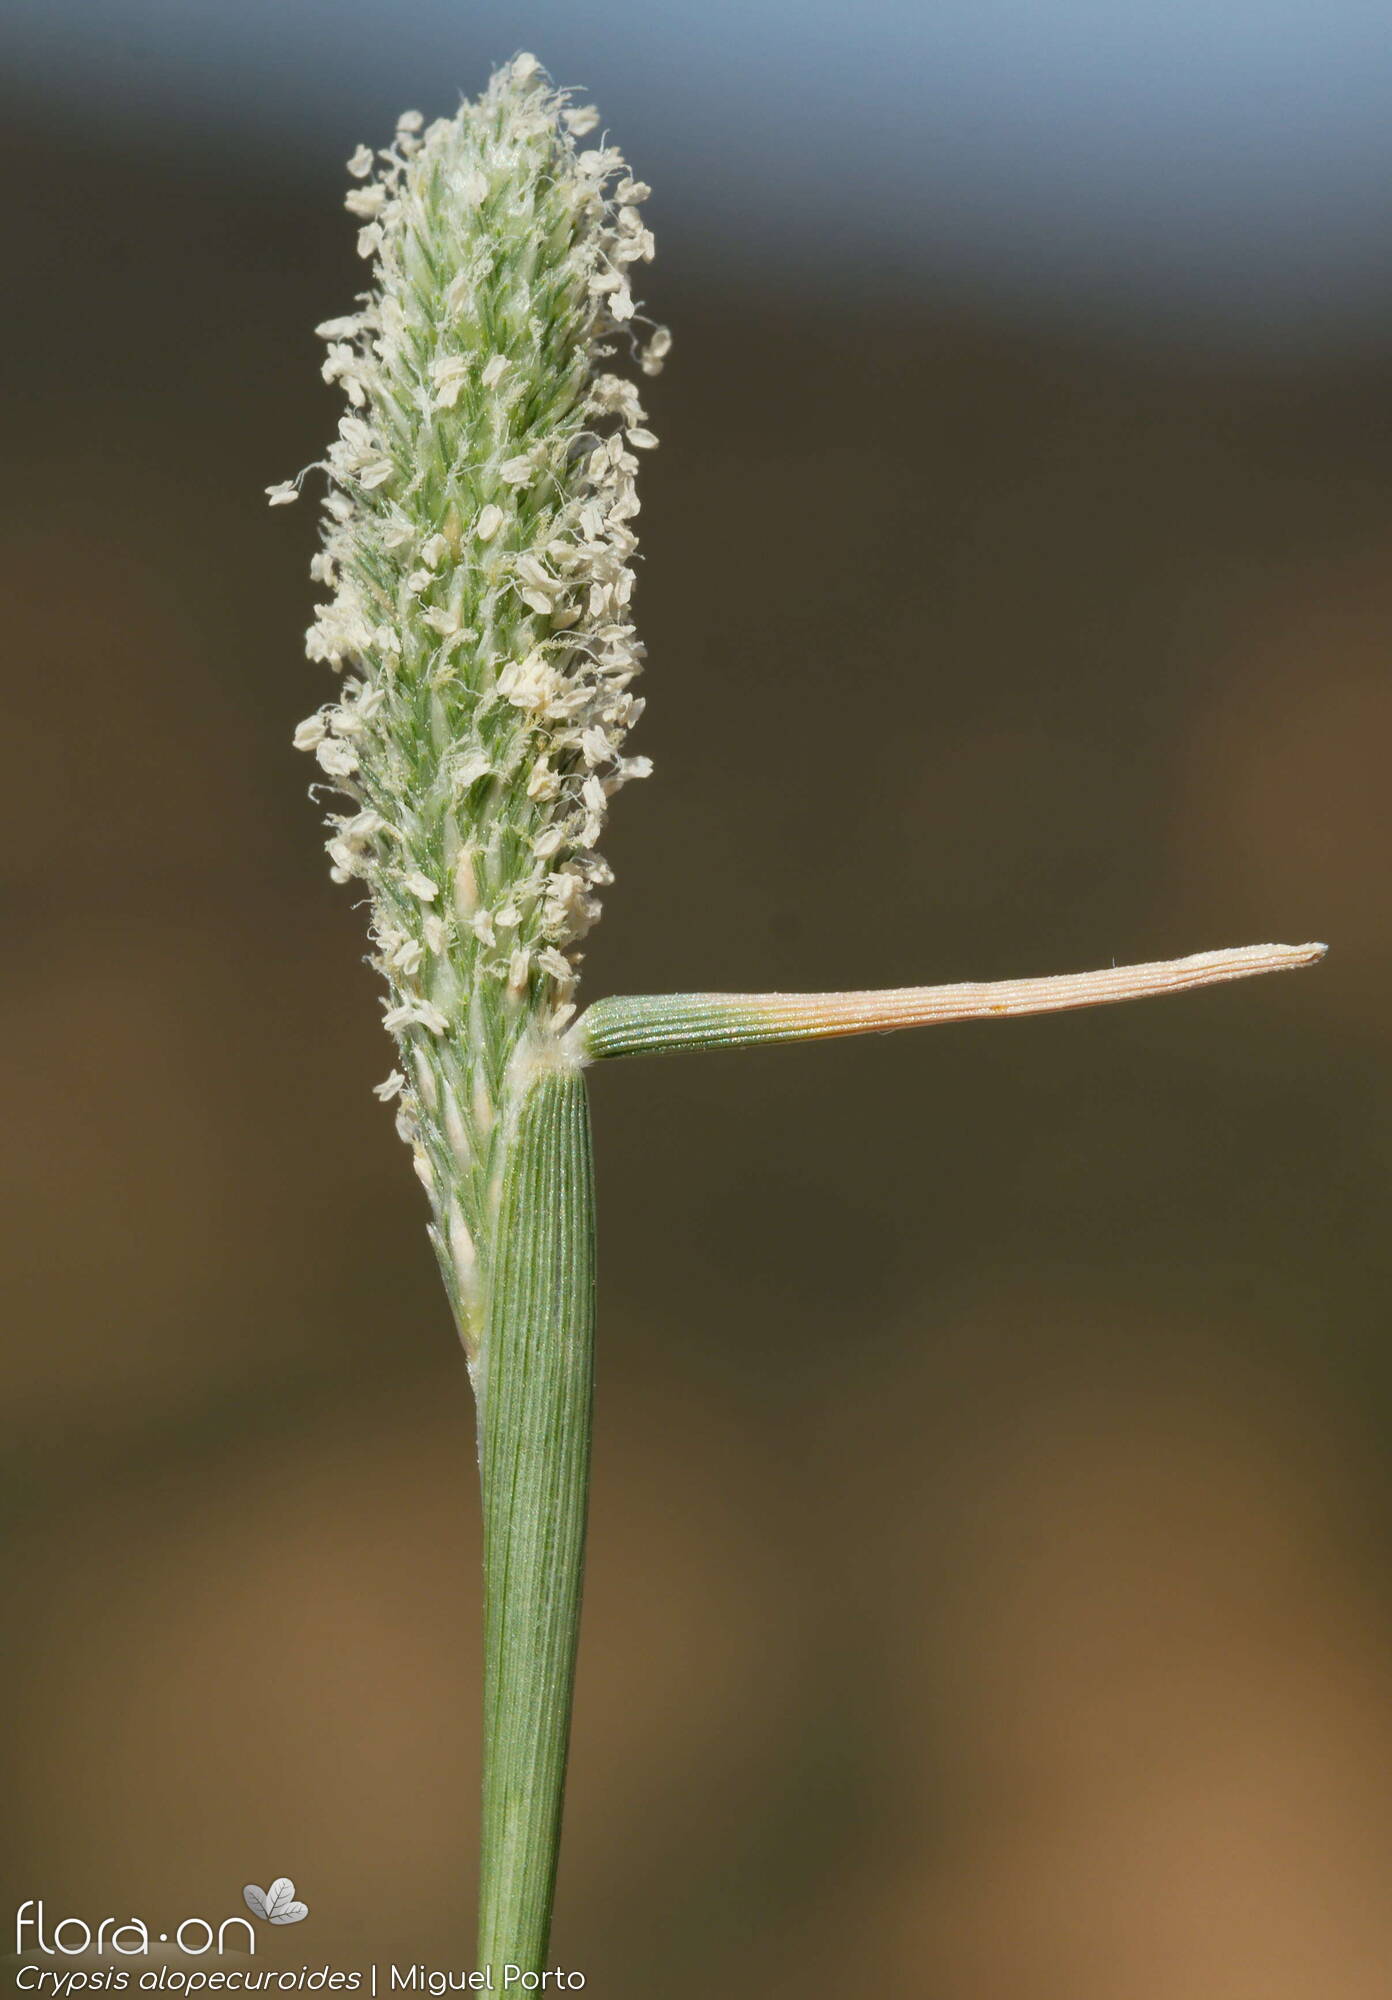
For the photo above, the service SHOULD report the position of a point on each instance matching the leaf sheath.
(535, 1398)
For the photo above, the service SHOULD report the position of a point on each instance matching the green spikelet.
(478, 544)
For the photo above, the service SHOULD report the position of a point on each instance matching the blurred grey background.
(992, 1543)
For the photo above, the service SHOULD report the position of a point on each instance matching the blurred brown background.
(992, 1541)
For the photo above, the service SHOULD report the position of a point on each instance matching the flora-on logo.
(130, 1938)
(277, 1904)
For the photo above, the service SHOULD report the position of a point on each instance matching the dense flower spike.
(477, 545)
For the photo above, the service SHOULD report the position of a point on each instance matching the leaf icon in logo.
(277, 1904)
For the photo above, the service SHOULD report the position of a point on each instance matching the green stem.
(536, 1396)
